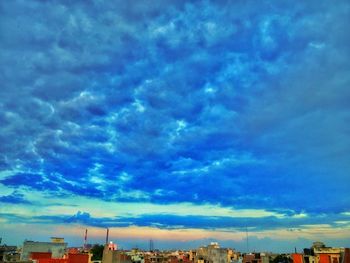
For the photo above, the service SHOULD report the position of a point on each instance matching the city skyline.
(183, 122)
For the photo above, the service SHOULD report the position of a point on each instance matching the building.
(112, 255)
(254, 258)
(346, 256)
(8, 253)
(328, 255)
(46, 257)
(214, 254)
(136, 255)
(57, 248)
(320, 253)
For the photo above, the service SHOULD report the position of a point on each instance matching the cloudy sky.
(180, 121)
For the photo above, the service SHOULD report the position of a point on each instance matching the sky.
(184, 122)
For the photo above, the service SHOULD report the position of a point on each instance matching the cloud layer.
(238, 105)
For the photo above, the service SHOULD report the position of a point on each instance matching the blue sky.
(180, 121)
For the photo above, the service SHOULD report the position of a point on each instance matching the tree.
(282, 259)
(97, 252)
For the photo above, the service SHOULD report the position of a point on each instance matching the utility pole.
(246, 232)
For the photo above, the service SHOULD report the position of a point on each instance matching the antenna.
(151, 245)
(85, 239)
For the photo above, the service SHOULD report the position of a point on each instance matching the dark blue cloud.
(168, 221)
(14, 198)
(239, 104)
